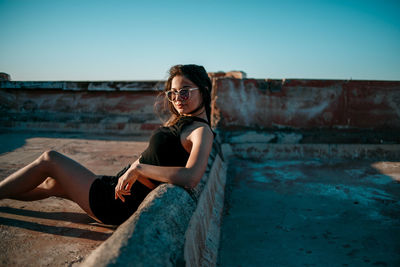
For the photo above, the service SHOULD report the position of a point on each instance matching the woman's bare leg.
(49, 188)
(72, 180)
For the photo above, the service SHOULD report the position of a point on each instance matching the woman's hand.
(126, 181)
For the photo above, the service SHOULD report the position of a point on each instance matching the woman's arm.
(188, 176)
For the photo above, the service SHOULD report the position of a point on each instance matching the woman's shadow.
(73, 217)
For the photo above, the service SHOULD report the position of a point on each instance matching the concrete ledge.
(84, 85)
(315, 136)
(262, 151)
(202, 235)
(117, 128)
(153, 236)
(172, 226)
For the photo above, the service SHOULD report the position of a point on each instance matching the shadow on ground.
(55, 231)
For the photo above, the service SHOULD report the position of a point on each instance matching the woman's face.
(185, 106)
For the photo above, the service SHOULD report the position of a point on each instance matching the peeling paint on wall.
(55, 109)
(306, 104)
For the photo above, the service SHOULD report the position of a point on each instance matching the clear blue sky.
(140, 40)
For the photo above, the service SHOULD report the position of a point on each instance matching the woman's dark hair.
(196, 74)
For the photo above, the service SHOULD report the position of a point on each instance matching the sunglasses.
(183, 94)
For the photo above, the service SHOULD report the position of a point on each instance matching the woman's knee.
(50, 155)
(47, 160)
(53, 187)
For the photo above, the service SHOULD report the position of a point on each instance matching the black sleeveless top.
(165, 147)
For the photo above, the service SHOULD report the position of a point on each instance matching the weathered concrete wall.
(84, 86)
(238, 104)
(265, 151)
(306, 104)
(99, 107)
(203, 233)
(152, 236)
(5, 76)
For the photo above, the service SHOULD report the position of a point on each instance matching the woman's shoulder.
(197, 125)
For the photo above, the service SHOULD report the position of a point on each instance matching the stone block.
(153, 236)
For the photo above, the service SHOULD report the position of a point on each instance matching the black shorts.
(110, 210)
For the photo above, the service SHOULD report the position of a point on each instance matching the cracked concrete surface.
(311, 213)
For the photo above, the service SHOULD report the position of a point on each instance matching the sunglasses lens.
(170, 96)
(184, 94)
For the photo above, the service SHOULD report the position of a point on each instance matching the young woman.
(177, 153)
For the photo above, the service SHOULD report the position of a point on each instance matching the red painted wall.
(306, 104)
(100, 107)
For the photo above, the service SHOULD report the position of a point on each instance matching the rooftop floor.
(55, 231)
(311, 213)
